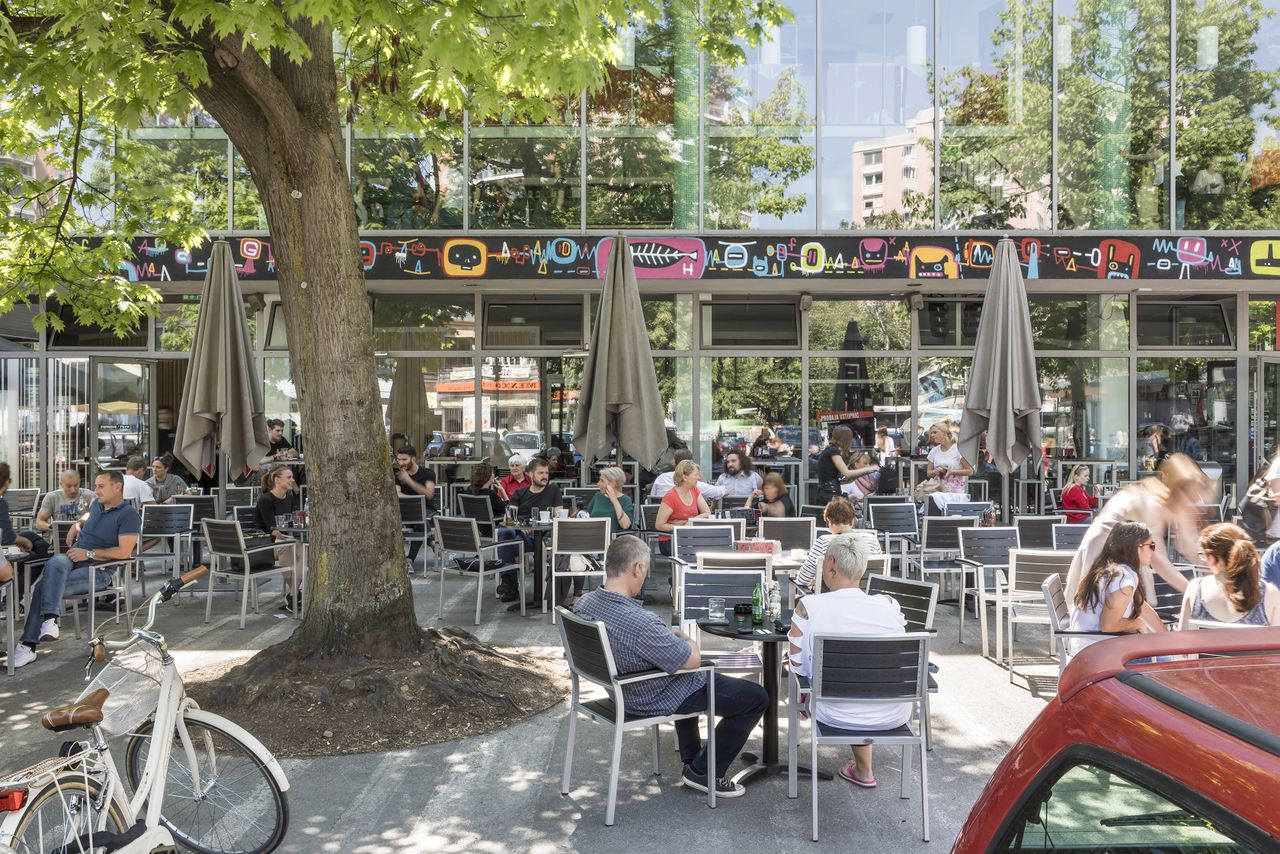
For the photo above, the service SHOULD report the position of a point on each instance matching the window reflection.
(1084, 410)
(1080, 321)
(417, 322)
(407, 182)
(523, 180)
(194, 170)
(1186, 406)
(859, 325)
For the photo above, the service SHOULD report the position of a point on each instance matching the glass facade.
(859, 114)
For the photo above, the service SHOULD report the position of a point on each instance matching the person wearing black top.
(771, 499)
(832, 470)
(279, 496)
(280, 447)
(413, 479)
(484, 483)
(539, 495)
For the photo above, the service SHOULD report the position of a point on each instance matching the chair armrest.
(263, 547)
(646, 675)
(1092, 634)
(914, 539)
(976, 564)
(801, 681)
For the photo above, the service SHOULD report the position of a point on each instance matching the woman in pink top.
(682, 503)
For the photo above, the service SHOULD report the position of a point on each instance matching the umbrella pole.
(222, 484)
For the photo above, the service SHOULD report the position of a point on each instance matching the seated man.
(136, 490)
(540, 495)
(845, 610)
(640, 640)
(413, 479)
(110, 533)
(665, 482)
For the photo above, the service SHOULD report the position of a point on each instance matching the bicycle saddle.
(75, 715)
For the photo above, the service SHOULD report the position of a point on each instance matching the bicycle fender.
(244, 736)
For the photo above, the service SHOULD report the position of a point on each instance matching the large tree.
(278, 77)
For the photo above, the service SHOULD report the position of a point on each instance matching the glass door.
(119, 411)
(1265, 435)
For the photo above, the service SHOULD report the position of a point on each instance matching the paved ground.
(501, 793)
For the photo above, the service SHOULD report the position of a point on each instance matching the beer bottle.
(757, 607)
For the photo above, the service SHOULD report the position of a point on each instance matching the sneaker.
(408, 565)
(23, 655)
(724, 788)
(49, 630)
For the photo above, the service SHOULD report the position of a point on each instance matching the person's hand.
(73, 534)
(77, 555)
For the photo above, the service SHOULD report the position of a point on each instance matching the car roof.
(1233, 689)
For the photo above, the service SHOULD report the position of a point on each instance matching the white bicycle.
(210, 787)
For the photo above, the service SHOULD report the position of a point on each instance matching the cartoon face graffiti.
(933, 262)
(872, 252)
(464, 258)
(1119, 260)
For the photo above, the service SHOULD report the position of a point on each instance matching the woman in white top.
(1234, 592)
(945, 460)
(846, 610)
(1112, 596)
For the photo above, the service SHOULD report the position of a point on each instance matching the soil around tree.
(452, 687)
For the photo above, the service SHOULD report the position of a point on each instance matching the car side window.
(1095, 809)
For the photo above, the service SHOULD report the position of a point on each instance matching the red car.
(1181, 756)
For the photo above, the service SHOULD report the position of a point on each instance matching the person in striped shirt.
(840, 518)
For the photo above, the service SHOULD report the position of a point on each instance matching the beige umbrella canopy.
(619, 403)
(222, 403)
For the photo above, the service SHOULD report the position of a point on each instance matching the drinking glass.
(715, 608)
(299, 517)
(283, 520)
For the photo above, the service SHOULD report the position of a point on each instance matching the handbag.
(1257, 509)
(926, 487)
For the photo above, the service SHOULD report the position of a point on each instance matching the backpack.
(1257, 508)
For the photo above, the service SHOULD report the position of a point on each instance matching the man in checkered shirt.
(640, 640)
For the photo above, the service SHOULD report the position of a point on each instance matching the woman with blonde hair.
(1076, 497)
(1165, 503)
(682, 503)
(1234, 591)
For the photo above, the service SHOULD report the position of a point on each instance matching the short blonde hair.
(614, 474)
(684, 468)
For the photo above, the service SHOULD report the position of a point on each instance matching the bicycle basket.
(133, 679)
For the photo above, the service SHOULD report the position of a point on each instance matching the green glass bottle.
(757, 607)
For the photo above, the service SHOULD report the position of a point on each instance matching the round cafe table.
(770, 641)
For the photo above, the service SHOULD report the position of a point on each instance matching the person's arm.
(703, 508)
(1188, 596)
(798, 657)
(663, 523)
(620, 514)
(711, 493)
(122, 549)
(502, 491)
(1114, 610)
(842, 468)
(964, 469)
(695, 655)
(1160, 563)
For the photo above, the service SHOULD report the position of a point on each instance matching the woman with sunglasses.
(1234, 591)
(1112, 596)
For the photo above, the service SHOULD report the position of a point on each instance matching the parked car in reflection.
(525, 444)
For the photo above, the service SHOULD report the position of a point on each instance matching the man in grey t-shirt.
(69, 501)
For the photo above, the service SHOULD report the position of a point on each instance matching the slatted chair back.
(793, 533)
(699, 585)
(1053, 498)
(240, 496)
(870, 669)
(22, 502)
(564, 483)
(688, 540)
(224, 537)
(1168, 602)
(988, 546)
(581, 494)
(246, 516)
(457, 534)
(977, 488)
(649, 516)
(580, 536)
(586, 649)
(976, 509)
(737, 561)
(477, 507)
(895, 518)
(1030, 567)
(814, 511)
(918, 599)
(878, 564)
(942, 533)
(166, 520)
(1068, 537)
(739, 525)
(1055, 600)
(61, 528)
(413, 512)
(1209, 514)
(1036, 532)
(728, 502)
(202, 507)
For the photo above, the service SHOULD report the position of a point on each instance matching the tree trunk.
(283, 120)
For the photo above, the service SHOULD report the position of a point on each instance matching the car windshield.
(522, 440)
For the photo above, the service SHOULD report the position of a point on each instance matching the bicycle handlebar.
(164, 594)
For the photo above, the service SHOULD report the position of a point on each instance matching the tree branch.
(58, 238)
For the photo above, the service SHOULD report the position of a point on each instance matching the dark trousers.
(510, 554)
(739, 705)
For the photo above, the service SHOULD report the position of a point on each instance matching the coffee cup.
(544, 516)
(562, 513)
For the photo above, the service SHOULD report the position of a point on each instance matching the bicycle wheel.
(57, 815)
(239, 808)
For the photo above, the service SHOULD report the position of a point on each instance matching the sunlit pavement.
(501, 792)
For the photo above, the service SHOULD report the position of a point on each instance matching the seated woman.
(163, 482)
(771, 498)
(681, 504)
(483, 482)
(866, 477)
(279, 497)
(1234, 592)
(1077, 497)
(611, 503)
(1112, 596)
(516, 481)
(840, 518)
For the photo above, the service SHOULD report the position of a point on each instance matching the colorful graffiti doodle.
(904, 256)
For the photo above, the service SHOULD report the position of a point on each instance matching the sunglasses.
(1148, 545)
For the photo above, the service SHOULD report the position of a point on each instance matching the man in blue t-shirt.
(108, 535)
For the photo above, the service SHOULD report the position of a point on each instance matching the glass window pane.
(20, 408)
(247, 208)
(194, 170)
(1080, 321)
(759, 149)
(862, 393)
(1084, 407)
(418, 401)
(669, 320)
(526, 177)
(675, 388)
(995, 69)
(1095, 809)
(277, 333)
(849, 324)
(540, 323)
(941, 385)
(17, 329)
(76, 334)
(949, 323)
(407, 182)
(741, 394)
(1113, 114)
(416, 322)
(1187, 406)
(1228, 152)
(280, 397)
(1186, 322)
(176, 322)
(877, 115)
(747, 324)
(1264, 324)
(642, 128)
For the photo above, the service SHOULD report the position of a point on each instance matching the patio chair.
(686, 542)
(1024, 599)
(231, 558)
(794, 533)
(872, 500)
(940, 545)
(976, 509)
(480, 508)
(246, 516)
(736, 587)
(1055, 602)
(415, 518)
(1068, 537)
(581, 537)
(239, 496)
(863, 670)
(918, 601)
(461, 537)
(1036, 532)
(897, 524)
(985, 551)
(1168, 601)
(977, 489)
(581, 494)
(590, 659)
(728, 502)
(9, 595)
(202, 507)
(169, 525)
(23, 506)
(739, 525)
(815, 512)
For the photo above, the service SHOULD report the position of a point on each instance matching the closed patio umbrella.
(1004, 391)
(619, 402)
(222, 403)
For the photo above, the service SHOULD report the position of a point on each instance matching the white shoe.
(408, 566)
(22, 655)
(49, 630)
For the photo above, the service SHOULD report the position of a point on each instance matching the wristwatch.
(89, 554)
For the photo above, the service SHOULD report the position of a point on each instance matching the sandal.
(849, 772)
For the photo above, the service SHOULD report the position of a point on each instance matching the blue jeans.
(739, 705)
(60, 578)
